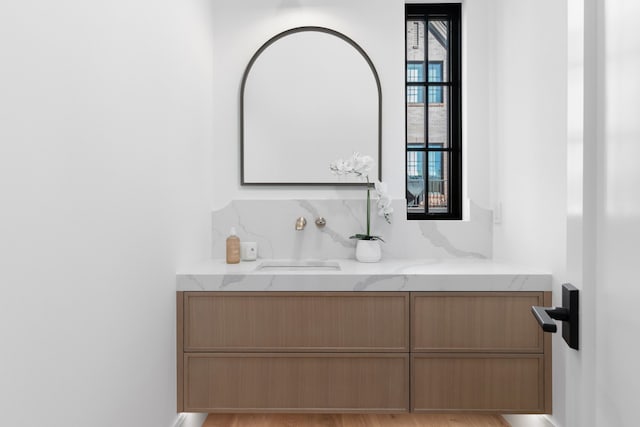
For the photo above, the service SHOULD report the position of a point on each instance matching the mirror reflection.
(309, 95)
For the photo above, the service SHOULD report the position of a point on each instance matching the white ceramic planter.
(368, 251)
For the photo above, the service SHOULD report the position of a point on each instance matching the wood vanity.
(367, 352)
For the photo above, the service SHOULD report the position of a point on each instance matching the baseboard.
(552, 422)
(196, 420)
(190, 420)
(528, 420)
(179, 421)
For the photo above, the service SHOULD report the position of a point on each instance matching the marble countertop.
(387, 275)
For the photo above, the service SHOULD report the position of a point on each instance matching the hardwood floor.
(354, 420)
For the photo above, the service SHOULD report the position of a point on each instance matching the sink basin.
(298, 265)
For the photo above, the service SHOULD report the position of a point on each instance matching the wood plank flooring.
(354, 420)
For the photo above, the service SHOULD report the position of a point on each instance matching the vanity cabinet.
(296, 382)
(296, 322)
(479, 351)
(293, 352)
(362, 352)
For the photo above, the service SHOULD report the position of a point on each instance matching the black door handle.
(568, 314)
(544, 316)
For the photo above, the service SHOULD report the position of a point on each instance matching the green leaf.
(366, 237)
(360, 237)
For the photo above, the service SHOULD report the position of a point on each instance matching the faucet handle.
(300, 223)
(321, 222)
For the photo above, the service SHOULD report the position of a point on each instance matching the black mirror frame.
(242, 88)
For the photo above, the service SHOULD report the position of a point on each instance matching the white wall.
(617, 89)
(104, 185)
(602, 379)
(529, 137)
(577, 368)
(614, 93)
(240, 28)
(529, 129)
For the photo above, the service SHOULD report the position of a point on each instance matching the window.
(414, 165)
(415, 73)
(433, 128)
(435, 75)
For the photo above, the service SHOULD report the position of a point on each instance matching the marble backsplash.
(271, 223)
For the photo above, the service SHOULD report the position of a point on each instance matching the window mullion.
(425, 164)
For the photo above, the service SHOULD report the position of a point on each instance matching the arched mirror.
(309, 95)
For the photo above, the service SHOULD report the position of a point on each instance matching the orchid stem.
(368, 208)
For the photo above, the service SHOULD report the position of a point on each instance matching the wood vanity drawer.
(279, 321)
(301, 382)
(474, 382)
(475, 322)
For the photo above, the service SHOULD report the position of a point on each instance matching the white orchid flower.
(384, 202)
(359, 165)
(384, 208)
(356, 165)
(382, 188)
(386, 212)
(337, 167)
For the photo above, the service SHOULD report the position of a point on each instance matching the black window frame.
(451, 12)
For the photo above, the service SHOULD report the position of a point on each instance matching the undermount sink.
(298, 265)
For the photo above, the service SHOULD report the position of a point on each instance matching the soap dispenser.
(233, 247)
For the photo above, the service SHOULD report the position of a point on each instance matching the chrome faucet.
(300, 223)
